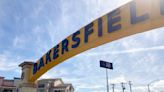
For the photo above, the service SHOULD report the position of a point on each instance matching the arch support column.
(26, 85)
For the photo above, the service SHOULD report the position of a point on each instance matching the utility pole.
(149, 84)
(113, 85)
(130, 85)
(123, 87)
(148, 87)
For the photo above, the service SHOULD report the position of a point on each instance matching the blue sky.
(29, 28)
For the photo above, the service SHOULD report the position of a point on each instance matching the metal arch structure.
(134, 17)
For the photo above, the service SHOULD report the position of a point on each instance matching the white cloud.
(124, 51)
(158, 86)
(139, 88)
(6, 64)
(56, 72)
(118, 80)
(49, 74)
(84, 71)
(156, 35)
(101, 7)
(39, 8)
(159, 83)
(19, 42)
(72, 20)
(41, 42)
(2, 12)
(1, 33)
(38, 30)
(46, 76)
(88, 86)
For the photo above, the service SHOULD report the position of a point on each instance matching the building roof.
(1, 77)
(4, 86)
(26, 63)
(51, 79)
(17, 78)
(57, 86)
(63, 86)
(8, 83)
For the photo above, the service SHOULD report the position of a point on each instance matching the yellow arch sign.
(134, 17)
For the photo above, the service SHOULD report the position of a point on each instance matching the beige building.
(53, 85)
(44, 85)
(9, 85)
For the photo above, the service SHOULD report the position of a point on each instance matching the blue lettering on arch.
(100, 27)
(56, 50)
(65, 45)
(35, 68)
(162, 7)
(41, 63)
(48, 58)
(133, 14)
(76, 39)
(87, 31)
(112, 19)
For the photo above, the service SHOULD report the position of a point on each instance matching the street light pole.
(107, 80)
(106, 65)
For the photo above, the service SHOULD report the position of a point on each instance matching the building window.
(17, 90)
(41, 86)
(7, 90)
(59, 91)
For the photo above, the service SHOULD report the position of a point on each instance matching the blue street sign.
(105, 64)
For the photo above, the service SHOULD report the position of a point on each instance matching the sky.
(29, 28)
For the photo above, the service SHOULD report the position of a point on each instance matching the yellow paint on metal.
(131, 22)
